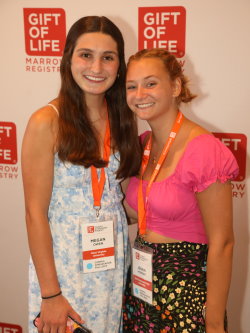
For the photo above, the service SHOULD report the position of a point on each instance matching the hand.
(54, 315)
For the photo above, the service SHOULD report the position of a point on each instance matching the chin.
(144, 115)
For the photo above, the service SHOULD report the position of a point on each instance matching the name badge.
(98, 251)
(142, 272)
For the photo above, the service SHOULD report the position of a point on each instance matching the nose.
(140, 92)
(96, 66)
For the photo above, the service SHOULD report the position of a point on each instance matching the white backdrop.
(216, 60)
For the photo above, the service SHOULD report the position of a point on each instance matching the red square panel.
(8, 143)
(45, 31)
(237, 143)
(162, 27)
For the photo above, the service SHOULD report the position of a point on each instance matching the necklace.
(155, 156)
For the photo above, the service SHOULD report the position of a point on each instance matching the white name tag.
(142, 272)
(98, 251)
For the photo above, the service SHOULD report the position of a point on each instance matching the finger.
(61, 329)
(46, 329)
(40, 326)
(54, 329)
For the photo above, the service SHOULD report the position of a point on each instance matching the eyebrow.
(145, 78)
(91, 51)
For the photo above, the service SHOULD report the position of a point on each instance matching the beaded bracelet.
(52, 296)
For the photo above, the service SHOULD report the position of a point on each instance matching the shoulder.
(44, 120)
(199, 140)
(197, 137)
(41, 131)
(193, 129)
(207, 160)
(206, 148)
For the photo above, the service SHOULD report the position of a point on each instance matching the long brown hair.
(173, 68)
(77, 141)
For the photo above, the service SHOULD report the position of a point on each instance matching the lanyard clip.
(97, 209)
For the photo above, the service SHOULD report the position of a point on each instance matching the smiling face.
(150, 92)
(95, 63)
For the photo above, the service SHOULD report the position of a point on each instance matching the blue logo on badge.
(89, 266)
(136, 291)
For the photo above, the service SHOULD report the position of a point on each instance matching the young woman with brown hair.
(75, 152)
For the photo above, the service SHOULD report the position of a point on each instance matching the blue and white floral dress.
(97, 297)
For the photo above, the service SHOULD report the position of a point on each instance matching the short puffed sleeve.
(205, 161)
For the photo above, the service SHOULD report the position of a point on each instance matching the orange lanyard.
(146, 154)
(98, 185)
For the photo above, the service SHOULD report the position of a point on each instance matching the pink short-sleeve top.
(173, 209)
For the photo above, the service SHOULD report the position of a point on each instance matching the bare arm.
(37, 170)
(216, 208)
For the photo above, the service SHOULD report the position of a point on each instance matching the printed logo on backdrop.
(10, 328)
(8, 151)
(45, 34)
(162, 27)
(237, 143)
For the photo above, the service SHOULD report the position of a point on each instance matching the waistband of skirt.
(179, 246)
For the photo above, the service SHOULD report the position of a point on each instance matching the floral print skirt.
(179, 291)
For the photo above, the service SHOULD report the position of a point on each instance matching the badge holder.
(142, 273)
(99, 238)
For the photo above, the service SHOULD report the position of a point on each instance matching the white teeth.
(145, 105)
(94, 78)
